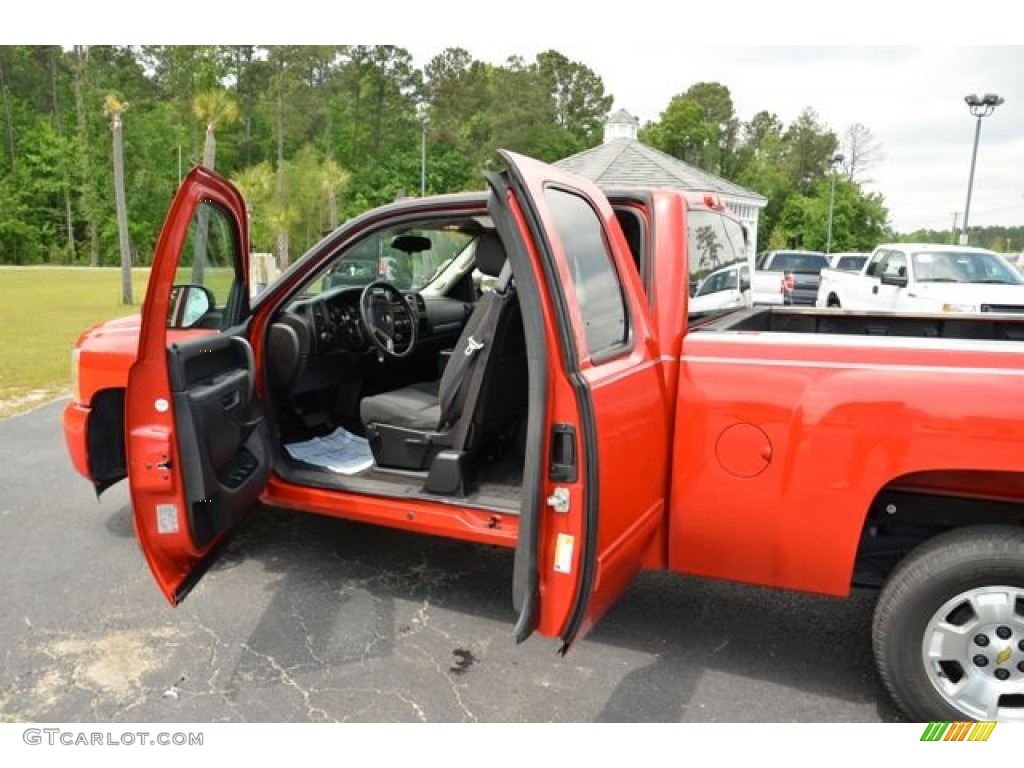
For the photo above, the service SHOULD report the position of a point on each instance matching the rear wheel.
(949, 627)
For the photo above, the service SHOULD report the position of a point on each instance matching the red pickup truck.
(518, 367)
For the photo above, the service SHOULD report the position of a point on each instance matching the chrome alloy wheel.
(973, 653)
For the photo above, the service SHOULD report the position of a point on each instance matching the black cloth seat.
(446, 409)
(415, 407)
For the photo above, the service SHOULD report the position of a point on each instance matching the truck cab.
(412, 401)
(926, 277)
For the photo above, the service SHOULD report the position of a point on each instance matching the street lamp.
(837, 161)
(980, 107)
(421, 111)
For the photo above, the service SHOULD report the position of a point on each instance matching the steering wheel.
(389, 319)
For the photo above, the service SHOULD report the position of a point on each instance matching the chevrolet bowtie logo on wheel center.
(1004, 655)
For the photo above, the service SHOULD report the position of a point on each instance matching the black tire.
(936, 572)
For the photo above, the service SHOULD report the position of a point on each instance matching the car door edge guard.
(525, 577)
(588, 556)
(198, 571)
(592, 493)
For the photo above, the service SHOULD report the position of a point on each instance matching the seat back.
(502, 394)
(484, 383)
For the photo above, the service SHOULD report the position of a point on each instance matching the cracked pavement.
(306, 619)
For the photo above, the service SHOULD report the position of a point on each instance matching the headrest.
(490, 254)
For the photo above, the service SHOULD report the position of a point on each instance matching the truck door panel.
(606, 384)
(198, 450)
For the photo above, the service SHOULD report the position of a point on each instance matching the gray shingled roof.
(631, 163)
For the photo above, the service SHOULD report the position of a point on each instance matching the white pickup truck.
(915, 277)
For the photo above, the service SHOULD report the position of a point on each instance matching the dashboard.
(334, 320)
(307, 338)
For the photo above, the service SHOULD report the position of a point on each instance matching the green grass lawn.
(42, 312)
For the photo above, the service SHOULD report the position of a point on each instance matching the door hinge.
(559, 500)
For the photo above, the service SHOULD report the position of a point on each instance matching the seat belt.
(469, 359)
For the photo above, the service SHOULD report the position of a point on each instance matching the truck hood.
(119, 327)
(976, 295)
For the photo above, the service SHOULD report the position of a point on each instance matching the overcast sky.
(910, 97)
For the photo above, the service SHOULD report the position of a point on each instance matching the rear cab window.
(714, 241)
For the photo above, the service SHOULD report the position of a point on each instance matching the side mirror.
(744, 284)
(189, 304)
(897, 280)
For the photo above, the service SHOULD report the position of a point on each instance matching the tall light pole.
(837, 161)
(421, 111)
(980, 107)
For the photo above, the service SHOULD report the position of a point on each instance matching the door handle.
(562, 465)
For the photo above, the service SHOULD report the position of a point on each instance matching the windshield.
(963, 267)
(408, 258)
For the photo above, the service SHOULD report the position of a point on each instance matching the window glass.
(876, 262)
(206, 274)
(850, 263)
(408, 258)
(725, 280)
(895, 265)
(598, 289)
(714, 241)
(633, 229)
(798, 261)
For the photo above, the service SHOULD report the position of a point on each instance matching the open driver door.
(198, 450)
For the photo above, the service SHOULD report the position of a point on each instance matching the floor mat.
(340, 451)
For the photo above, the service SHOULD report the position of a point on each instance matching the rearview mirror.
(411, 243)
(189, 304)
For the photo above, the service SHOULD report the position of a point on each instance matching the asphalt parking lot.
(311, 619)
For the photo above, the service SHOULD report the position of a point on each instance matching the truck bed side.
(785, 440)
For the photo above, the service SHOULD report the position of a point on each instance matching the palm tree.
(215, 107)
(281, 216)
(333, 179)
(114, 108)
(257, 185)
